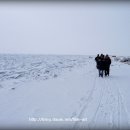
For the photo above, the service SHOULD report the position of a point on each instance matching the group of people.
(103, 63)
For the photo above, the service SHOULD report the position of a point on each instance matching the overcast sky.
(85, 28)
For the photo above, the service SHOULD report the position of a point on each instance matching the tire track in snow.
(108, 107)
(91, 123)
(88, 98)
(113, 111)
(86, 104)
(122, 107)
(104, 107)
(111, 103)
(118, 106)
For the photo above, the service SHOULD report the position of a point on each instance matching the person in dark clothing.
(100, 64)
(96, 59)
(100, 67)
(107, 65)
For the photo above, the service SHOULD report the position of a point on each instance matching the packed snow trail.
(107, 108)
(75, 94)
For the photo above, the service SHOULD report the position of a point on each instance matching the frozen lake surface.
(43, 86)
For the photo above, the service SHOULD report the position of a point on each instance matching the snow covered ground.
(35, 87)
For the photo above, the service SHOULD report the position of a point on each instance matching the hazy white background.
(65, 27)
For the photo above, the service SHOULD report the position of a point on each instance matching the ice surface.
(62, 87)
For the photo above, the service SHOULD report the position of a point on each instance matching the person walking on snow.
(107, 65)
(96, 59)
(100, 64)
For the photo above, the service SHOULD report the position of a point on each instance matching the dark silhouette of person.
(107, 65)
(96, 59)
(100, 64)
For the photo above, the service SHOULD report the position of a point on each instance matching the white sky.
(85, 28)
